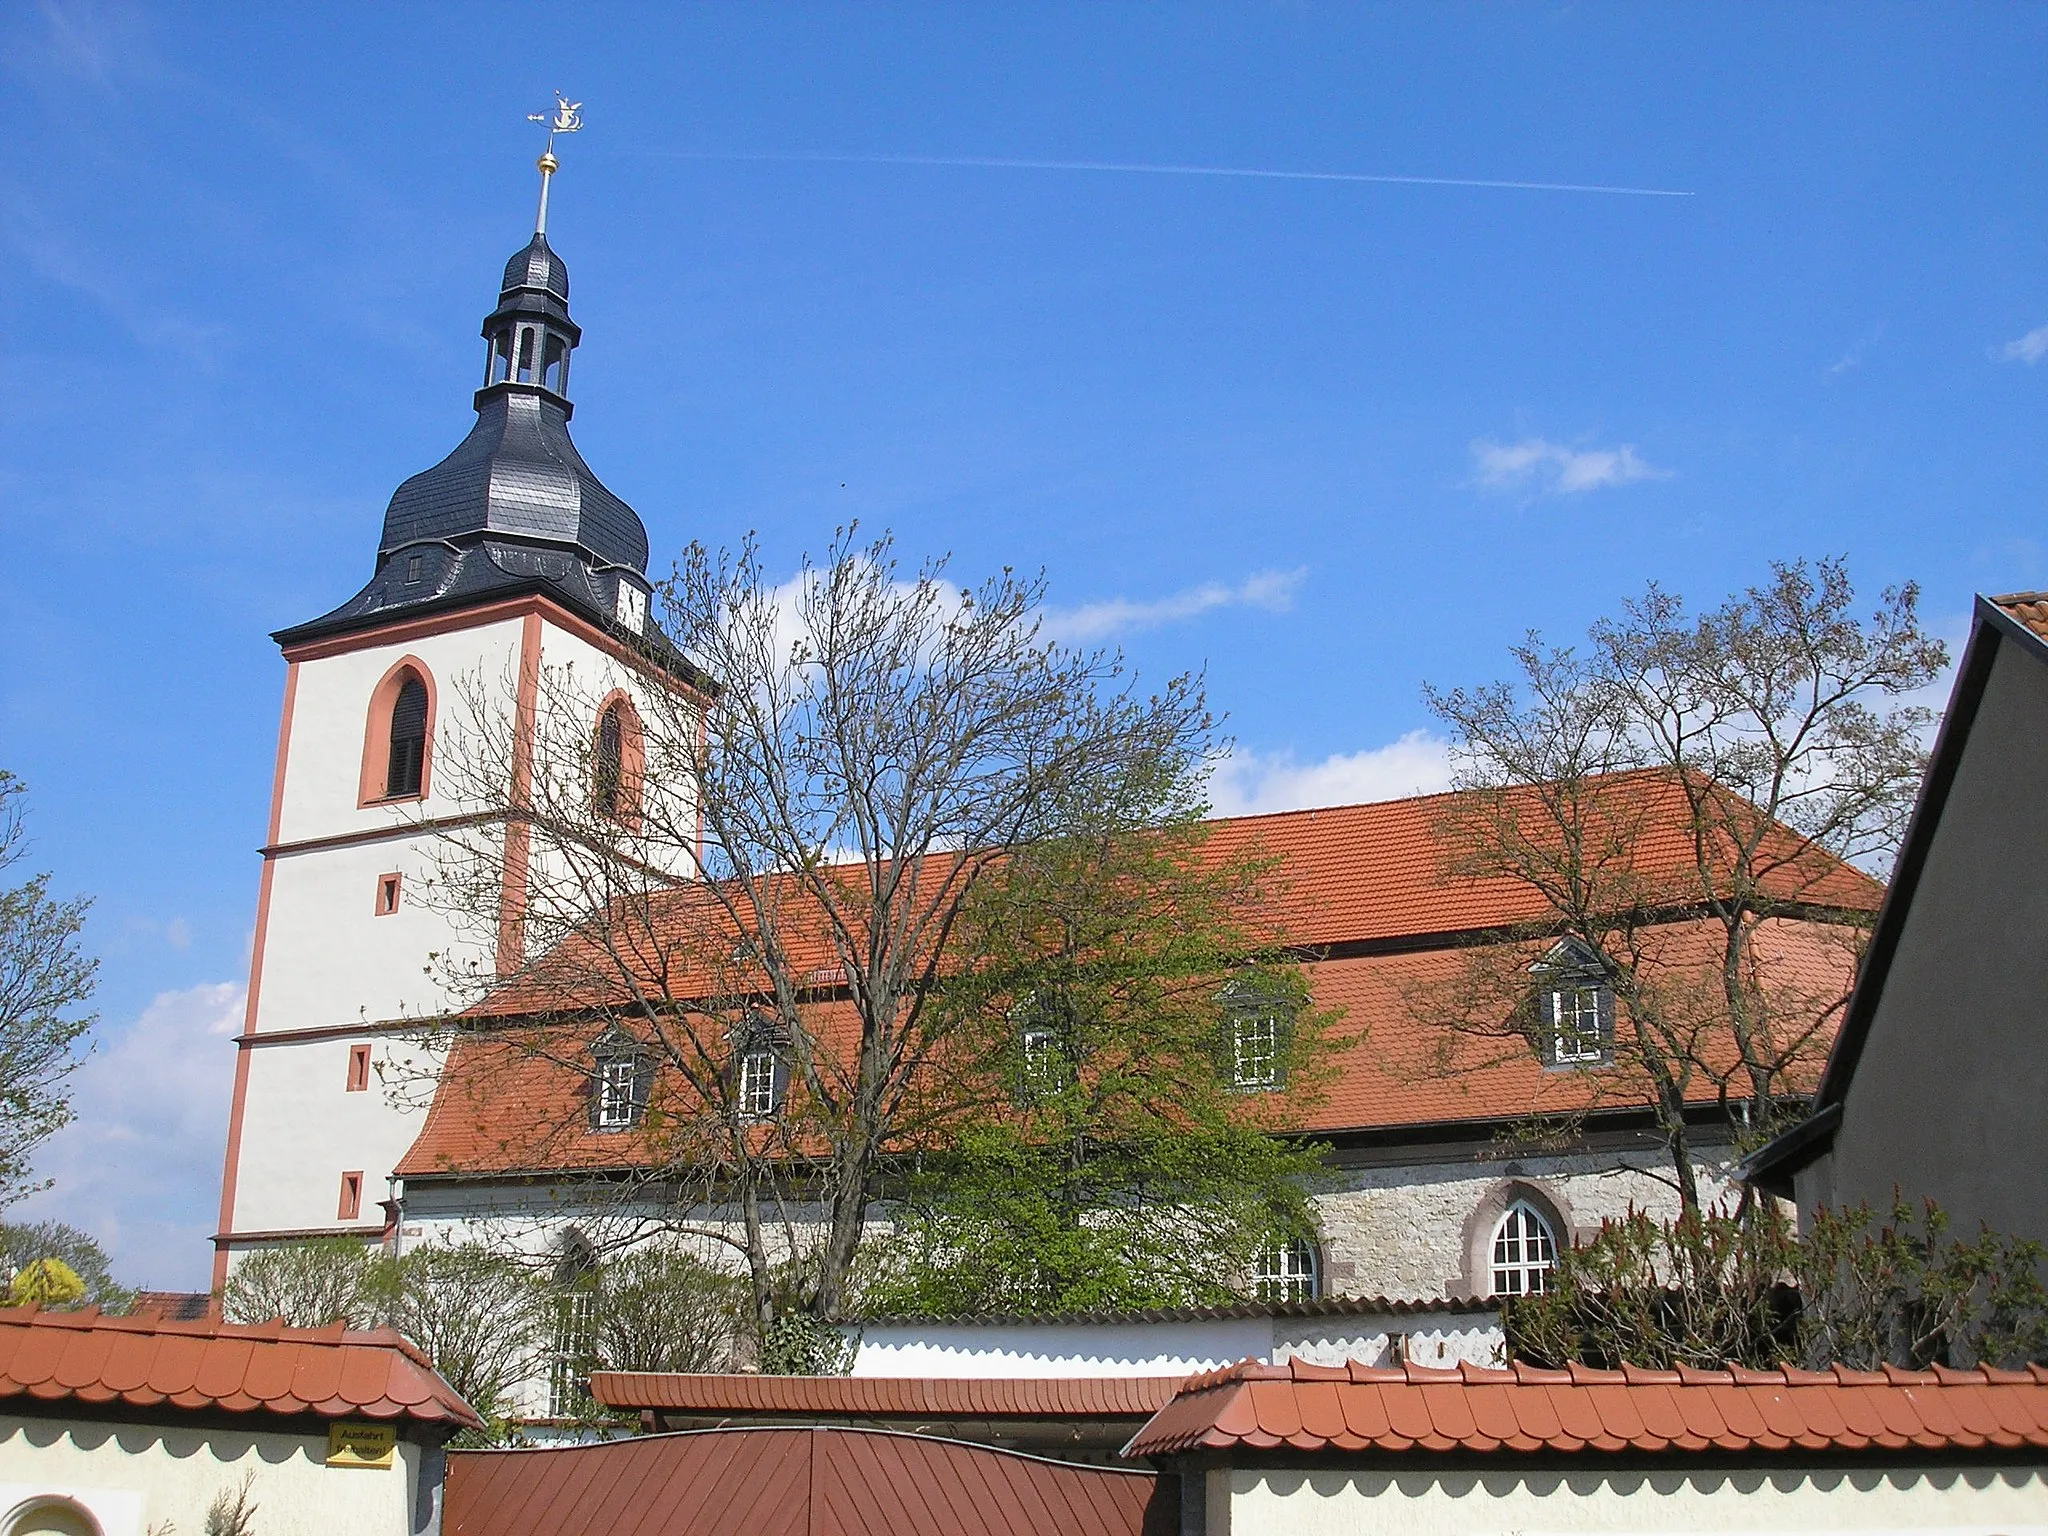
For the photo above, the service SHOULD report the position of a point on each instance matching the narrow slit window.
(526, 357)
(351, 1195)
(358, 1069)
(387, 894)
(408, 740)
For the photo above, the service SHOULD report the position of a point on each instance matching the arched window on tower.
(609, 768)
(555, 366)
(617, 757)
(408, 739)
(525, 355)
(1524, 1252)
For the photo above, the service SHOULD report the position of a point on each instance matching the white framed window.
(1577, 1030)
(756, 1094)
(1288, 1272)
(617, 1103)
(1255, 1050)
(571, 1351)
(1524, 1252)
(1041, 1051)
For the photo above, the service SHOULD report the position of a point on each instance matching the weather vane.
(566, 118)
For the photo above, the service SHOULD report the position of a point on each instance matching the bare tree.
(45, 980)
(738, 923)
(1688, 802)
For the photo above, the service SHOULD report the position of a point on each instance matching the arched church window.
(1524, 1252)
(408, 739)
(525, 356)
(1288, 1272)
(555, 366)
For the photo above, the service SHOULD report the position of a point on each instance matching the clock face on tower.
(632, 609)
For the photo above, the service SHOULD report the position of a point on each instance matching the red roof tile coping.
(147, 1361)
(2029, 608)
(1357, 1407)
(889, 1396)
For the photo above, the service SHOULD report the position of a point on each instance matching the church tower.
(507, 559)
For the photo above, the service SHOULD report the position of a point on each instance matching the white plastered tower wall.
(334, 970)
(505, 563)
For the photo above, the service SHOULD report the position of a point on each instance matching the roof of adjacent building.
(883, 1397)
(1366, 886)
(1300, 1407)
(797, 1482)
(150, 1361)
(2020, 618)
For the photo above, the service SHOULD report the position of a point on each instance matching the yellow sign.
(352, 1443)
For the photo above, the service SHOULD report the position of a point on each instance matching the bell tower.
(506, 558)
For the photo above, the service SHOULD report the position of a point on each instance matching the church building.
(509, 560)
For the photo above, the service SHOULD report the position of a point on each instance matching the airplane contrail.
(1144, 169)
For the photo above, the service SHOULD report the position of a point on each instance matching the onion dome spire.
(514, 508)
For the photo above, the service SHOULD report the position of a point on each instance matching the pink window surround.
(351, 1195)
(358, 1069)
(388, 892)
(377, 734)
(625, 807)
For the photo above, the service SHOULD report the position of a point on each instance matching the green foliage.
(309, 1285)
(662, 1309)
(45, 979)
(22, 1244)
(45, 1283)
(479, 1315)
(1112, 1158)
(804, 1344)
(1715, 1286)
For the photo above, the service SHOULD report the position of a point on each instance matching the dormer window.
(408, 739)
(760, 1072)
(620, 1083)
(1574, 1007)
(413, 565)
(1259, 1031)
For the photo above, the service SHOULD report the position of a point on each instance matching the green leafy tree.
(1140, 1040)
(23, 1243)
(45, 981)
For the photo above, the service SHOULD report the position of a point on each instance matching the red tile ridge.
(1646, 1376)
(1592, 1376)
(1426, 1375)
(1695, 1376)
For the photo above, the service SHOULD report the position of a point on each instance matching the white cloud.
(2029, 349)
(139, 1167)
(1253, 783)
(1546, 468)
(1271, 590)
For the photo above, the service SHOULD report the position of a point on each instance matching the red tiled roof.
(148, 1361)
(796, 1482)
(881, 1397)
(1348, 875)
(503, 1106)
(2029, 608)
(1358, 1408)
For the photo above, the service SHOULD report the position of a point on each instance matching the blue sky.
(1329, 439)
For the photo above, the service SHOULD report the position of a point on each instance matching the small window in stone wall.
(351, 1195)
(358, 1069)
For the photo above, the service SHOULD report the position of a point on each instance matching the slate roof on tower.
(513, 509)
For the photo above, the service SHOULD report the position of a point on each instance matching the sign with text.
(352, 1443)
